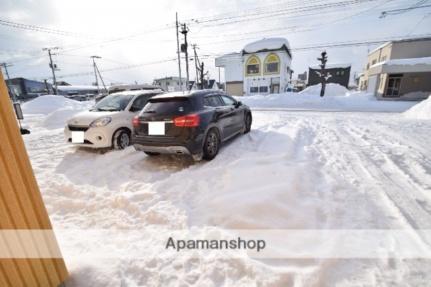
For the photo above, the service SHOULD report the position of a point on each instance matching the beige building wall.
(234, 88)
(417, 49)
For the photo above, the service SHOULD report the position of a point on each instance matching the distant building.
(170, 84)
(25, 89)
(262, 67)
(399, 69)
(339, 74)
(73, 90)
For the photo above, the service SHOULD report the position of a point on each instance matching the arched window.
(253, 66)
(272, 64)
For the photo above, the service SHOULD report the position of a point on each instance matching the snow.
(409, 61)
(294, 171)
(333, 66)
(266, 44)
(337, 98)
(57, 109)
(421, 111)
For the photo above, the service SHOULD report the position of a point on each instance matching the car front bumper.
(93, 137)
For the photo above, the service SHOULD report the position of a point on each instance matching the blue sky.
(133, 32)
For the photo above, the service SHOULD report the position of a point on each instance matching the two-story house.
(399, 69)
(262, 67)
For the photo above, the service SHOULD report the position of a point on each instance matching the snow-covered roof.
(379, 47)
(78, 88)
(333, 66)
(409, 61)
(407, 65)
(267, 44)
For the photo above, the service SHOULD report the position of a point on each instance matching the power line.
(403, 10)
(36, 28)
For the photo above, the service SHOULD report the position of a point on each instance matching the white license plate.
(77, 137)
(156, 128)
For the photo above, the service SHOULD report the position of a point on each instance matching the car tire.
(211, 144)
(247, 123)
(121, 139)
(150, 153)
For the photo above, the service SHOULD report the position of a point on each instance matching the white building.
(261, 67)
(170, 84)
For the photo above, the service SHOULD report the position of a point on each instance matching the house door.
(393, 89)
(275, 88)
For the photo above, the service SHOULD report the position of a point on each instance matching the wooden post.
(22, 208)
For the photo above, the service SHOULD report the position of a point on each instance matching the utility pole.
(101, 79)
(323, 74)
(52, 66)
(184, 49)
(5, 65)
(196, 63)
(202, 75)
(95, 71)
(178, 52)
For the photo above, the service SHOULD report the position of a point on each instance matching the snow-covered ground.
(337, 98)
(295, 170)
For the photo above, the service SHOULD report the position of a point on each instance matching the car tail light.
(135, 121)
(187, 121)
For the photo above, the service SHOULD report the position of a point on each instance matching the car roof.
(186, 94)
(138, 92)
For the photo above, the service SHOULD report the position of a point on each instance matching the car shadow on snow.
(113, 168)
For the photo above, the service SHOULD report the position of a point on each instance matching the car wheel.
(121, 139)
(151, 153)
(247, 123)
(211, 145)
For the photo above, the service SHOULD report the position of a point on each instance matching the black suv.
(193, 123)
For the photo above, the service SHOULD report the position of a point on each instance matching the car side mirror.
(238, 104)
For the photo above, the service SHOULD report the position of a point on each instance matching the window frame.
(266, 62)
(247, 64)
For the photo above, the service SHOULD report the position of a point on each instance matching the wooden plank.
(22, 201)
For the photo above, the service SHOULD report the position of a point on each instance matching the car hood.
(87, 117)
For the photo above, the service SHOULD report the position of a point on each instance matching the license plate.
(156, 128)
(77, 137)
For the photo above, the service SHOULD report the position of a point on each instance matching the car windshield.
(113, 103)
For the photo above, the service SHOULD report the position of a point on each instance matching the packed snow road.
(295, 170)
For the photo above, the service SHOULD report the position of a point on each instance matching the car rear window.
(167, 106)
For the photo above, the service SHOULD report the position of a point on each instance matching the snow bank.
(56, 110)
(337, 98)
(266, 44)
(331, 90)
(48, 104)
(420, 111)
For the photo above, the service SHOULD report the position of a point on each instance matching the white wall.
(233, 67)
(265, 80)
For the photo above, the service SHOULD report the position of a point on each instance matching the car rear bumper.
(167, 145)
(162, 149)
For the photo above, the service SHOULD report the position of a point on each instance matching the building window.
(368, 66)
(373, 62)
(383, 58)
(272, 64)
(253, 66)
(263, 89)
(254, 89)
